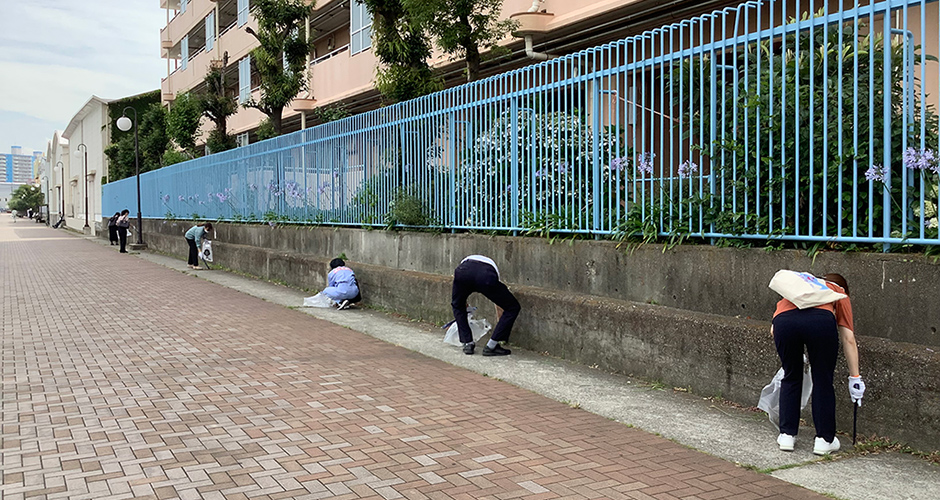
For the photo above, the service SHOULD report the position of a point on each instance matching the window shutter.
(242, 12)
(210, 31)
(244, 80)
(184, 52)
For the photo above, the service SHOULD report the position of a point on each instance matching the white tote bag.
(803, 289)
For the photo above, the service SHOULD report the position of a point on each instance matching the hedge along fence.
(742, 123)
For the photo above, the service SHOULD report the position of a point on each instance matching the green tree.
(281, 55)
(26, 197)
(463, 28)
(403, 48)
(153, 142)
(217, 105)
(183, 120)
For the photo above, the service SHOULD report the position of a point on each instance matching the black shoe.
(496, 351)
(344, 305)
(468, 348)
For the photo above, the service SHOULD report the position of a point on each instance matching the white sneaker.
(786, 442)
(344, 305)
(821, 447)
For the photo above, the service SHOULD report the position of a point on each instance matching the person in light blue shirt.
(342, 285)
(194, 238)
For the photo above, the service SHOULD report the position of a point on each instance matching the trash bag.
(478, 328)
(318, 300)
(206, 253)
(770, 395)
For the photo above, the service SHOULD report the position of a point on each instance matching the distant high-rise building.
(16, 167)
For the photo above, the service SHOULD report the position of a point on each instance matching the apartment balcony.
(234, 41)
(337, 74)
(183, 22)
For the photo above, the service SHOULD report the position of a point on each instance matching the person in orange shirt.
(819, 329)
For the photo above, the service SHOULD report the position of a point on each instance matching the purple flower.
(323, 187)
(618, 163)
(272, 223)
(875, 173)
(166, 198)
(509, 187)
(563, 168)
(644, 162)
(253, 186)
(920, 159)
(687, 168)
(182, 198)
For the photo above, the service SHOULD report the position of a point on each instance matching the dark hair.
(839, 280)
(125, 211)
(117, 214)
(207, 226)
(336, 263)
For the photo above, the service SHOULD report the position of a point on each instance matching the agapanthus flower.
(618, 163)
(182, 198)
(644, 162)
(875, 173)
(687, 168)
(920, 159)
(563, 167)
(166, 198)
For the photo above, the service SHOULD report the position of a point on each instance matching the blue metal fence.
(771, 119)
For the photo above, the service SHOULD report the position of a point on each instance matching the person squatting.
(342, 287)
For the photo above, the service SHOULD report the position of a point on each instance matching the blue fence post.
(514, 174)
(595, 154)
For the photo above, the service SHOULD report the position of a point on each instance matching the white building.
(79, 152)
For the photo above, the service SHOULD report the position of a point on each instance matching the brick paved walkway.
(124, 379)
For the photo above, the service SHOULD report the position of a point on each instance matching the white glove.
(856, 389)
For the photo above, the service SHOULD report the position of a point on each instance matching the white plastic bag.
(206, 253)
(478, 328)
(318, 300)
(770, 395)
(803, 289)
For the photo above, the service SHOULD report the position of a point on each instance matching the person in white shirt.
(478, 273)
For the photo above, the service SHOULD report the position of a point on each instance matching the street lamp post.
(82, 148)
(124, 124)
(60, 167)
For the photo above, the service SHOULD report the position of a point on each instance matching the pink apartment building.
(201, 33)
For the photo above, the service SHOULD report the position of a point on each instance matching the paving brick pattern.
(124, 379)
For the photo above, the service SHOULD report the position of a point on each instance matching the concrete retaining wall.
(694, 316)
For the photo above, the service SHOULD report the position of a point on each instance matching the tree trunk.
(473, 62)
(276, 120)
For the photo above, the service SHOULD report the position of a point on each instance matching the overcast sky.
(54, 54)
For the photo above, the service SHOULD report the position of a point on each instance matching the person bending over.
(818, 329)
(194, 238)
(478, 273)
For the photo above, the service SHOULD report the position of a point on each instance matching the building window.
(360, 27)
(183, 5)
(242, 12)
(244, 80)
(210, 31)
(184, 52)
(241, 139)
